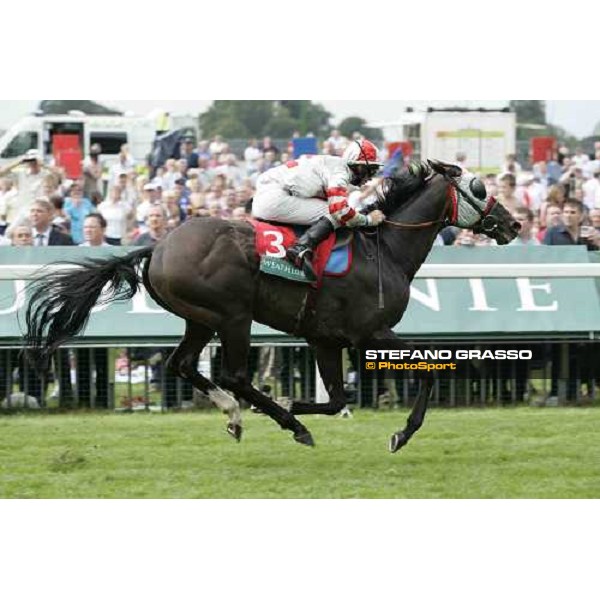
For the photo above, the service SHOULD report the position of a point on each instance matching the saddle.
(343, 235)
(333, 257)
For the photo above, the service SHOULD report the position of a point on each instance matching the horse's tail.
(61, 302)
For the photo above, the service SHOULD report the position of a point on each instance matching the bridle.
(488, 222)
(443, 220)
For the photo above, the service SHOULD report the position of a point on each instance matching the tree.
(529, 111)
(351, 124)
(235, 118)
(531, 122)
(254, 118)
(563, 136)
(281, 124)
(530, 115)
(309, 117)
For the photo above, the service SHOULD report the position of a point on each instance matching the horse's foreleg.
(329, 362)
(417, 414)
(235, 340)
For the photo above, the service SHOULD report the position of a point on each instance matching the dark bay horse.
(207, 272)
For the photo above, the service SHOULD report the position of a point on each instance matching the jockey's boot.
(300, 253)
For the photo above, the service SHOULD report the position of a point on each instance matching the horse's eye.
(478, 189)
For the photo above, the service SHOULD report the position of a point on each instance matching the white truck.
(67, 138)
(484, 136)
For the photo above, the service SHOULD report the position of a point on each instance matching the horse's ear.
(435, 165)
(444, 168)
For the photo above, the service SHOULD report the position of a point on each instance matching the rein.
(401, 225)
(443, 217)
(488, 221)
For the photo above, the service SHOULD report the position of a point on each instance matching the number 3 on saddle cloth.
(332, 258)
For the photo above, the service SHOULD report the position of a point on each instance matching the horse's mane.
(396, 190)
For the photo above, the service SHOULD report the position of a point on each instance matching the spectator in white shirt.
(149, 199)
(125, 164)
(217, 146)
(116, 211)
(592, 166)
(338, 142)
(251, 156)
(8, 200)
(31, 173)
(580, 158)
(170, 175)
(591, 191)
(511, 165)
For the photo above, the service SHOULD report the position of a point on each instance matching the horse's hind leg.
(184, 363)
(235, 341)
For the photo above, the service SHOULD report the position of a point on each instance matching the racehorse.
(206, 271)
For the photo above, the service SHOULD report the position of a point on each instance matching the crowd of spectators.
(130, 203)
(129, 206)
(557, 202)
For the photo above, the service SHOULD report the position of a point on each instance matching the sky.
(579, 117)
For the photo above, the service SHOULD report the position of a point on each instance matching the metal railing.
(90, 377)
(563, 373)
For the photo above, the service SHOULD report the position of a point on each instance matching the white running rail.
(433, 271)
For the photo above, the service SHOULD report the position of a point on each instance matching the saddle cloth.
(332, 258)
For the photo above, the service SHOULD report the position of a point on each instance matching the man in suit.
(44, 234)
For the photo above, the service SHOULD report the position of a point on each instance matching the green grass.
(460, 453)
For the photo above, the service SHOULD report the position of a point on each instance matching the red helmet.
(362, 152)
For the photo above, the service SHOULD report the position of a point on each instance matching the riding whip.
(379, 275)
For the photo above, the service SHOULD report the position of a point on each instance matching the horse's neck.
(410, 247)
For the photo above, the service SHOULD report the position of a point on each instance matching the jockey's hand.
(376, 217)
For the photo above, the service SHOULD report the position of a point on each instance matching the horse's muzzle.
(507, 232)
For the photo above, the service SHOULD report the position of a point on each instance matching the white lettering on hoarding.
(526, 289)
(431, 299)
(19, 298)
(479, 298)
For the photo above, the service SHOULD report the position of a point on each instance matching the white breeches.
(272, 203)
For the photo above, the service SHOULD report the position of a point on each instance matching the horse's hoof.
(304, 438)
(397, 441)
(235, 431)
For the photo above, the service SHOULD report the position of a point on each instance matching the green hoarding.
(469, 308)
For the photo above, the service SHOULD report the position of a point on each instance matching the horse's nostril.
(516, 226)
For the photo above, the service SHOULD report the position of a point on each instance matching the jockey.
(314, 191)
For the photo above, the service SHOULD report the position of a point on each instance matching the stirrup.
(296, 256)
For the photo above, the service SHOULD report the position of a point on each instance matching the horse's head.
(471, 206)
